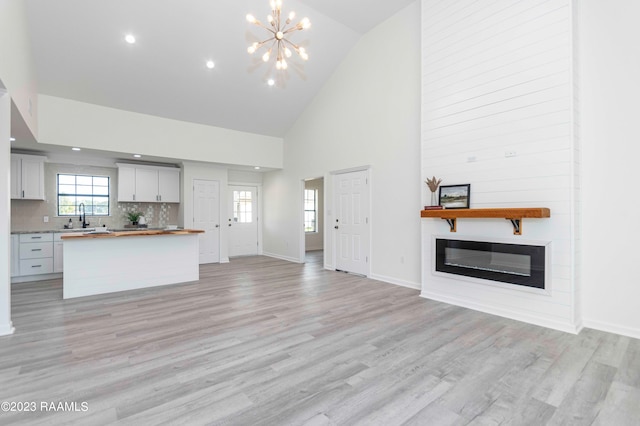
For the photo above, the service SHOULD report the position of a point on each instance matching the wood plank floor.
(261, 341)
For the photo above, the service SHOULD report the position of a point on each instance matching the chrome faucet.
(83, 215)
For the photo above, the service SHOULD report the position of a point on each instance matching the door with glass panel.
(243, 221)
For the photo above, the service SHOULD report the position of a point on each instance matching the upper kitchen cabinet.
(148, 184)
(27, 177)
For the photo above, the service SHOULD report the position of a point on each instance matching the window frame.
(90, 208)
(314, 211)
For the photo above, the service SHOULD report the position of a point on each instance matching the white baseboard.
(31, 278)
(278, 256)
(608, 327)
(225, 260)
(518, 316)
(396, 281)
(6, 329)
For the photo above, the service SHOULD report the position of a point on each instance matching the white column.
(6, 326)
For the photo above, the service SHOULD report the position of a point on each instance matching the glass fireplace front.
(508, 263)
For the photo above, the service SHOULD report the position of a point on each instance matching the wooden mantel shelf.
(515, 215)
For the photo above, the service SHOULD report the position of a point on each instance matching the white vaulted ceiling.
(80, 54)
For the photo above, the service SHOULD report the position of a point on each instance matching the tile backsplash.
(27, 215)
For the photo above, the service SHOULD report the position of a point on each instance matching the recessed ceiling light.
(12, 139)
(271, 82)
(210, 64)
(137, 155)
(129, 38)
(75, 149)
(257, 167)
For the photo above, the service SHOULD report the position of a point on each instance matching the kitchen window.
(310, 210)
(92, 191)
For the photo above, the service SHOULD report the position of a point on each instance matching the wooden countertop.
(136, 233)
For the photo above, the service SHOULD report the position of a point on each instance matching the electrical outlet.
(46, 219)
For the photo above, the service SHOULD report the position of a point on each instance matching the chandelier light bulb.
(279, 32)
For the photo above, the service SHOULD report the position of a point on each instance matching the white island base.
(110, 264)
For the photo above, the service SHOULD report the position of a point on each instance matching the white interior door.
(206, 216)
(243, 221)
(352, 222)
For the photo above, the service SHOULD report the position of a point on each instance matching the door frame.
(329, 230)
(303, 240)
(193, 209)
(258, 187)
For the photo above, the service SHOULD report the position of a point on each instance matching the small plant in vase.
(133, 217)
(433, 184)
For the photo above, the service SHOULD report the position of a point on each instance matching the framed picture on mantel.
(455, 196)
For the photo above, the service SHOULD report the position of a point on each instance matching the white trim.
(350, 169)
(287, 258)
(396, 281)
(7, 329)
(608, 327)
(506, 313)
(31, 278)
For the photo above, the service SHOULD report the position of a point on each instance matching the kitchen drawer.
(36, 250)
(36, 266)
(36, 238)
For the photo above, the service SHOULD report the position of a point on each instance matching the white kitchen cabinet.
(58, 259)
(148, 184)
(15, 255)
(27, 177)
(36, 254)
(126, 183)
(169, 185)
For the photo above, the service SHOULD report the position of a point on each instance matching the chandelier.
(277, 42)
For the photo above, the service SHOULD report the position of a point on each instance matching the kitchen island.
(106, 262)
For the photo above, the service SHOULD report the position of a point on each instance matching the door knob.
(217, 226)
(336, 227)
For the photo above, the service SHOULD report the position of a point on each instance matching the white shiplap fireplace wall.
(499, 112)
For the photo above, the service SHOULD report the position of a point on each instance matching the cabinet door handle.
(36, 249)
(23, 193)
(36, 238)
(36, 266)
(134, 197)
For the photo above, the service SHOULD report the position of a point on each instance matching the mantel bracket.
(452, 223)
(517, 225)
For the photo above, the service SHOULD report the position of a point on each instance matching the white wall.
(6, 326)
(368, 113)
(190, 171)
(71, 123)
(610, 65)
(498, 78)
(17, 70)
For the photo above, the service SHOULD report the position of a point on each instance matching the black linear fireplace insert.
(508, 263)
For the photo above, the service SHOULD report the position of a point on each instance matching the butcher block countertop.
(136, 233)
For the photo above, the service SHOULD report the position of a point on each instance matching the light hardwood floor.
(261, 341)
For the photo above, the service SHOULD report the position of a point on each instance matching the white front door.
(351, 222)
(206, 216)
(243, 221)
